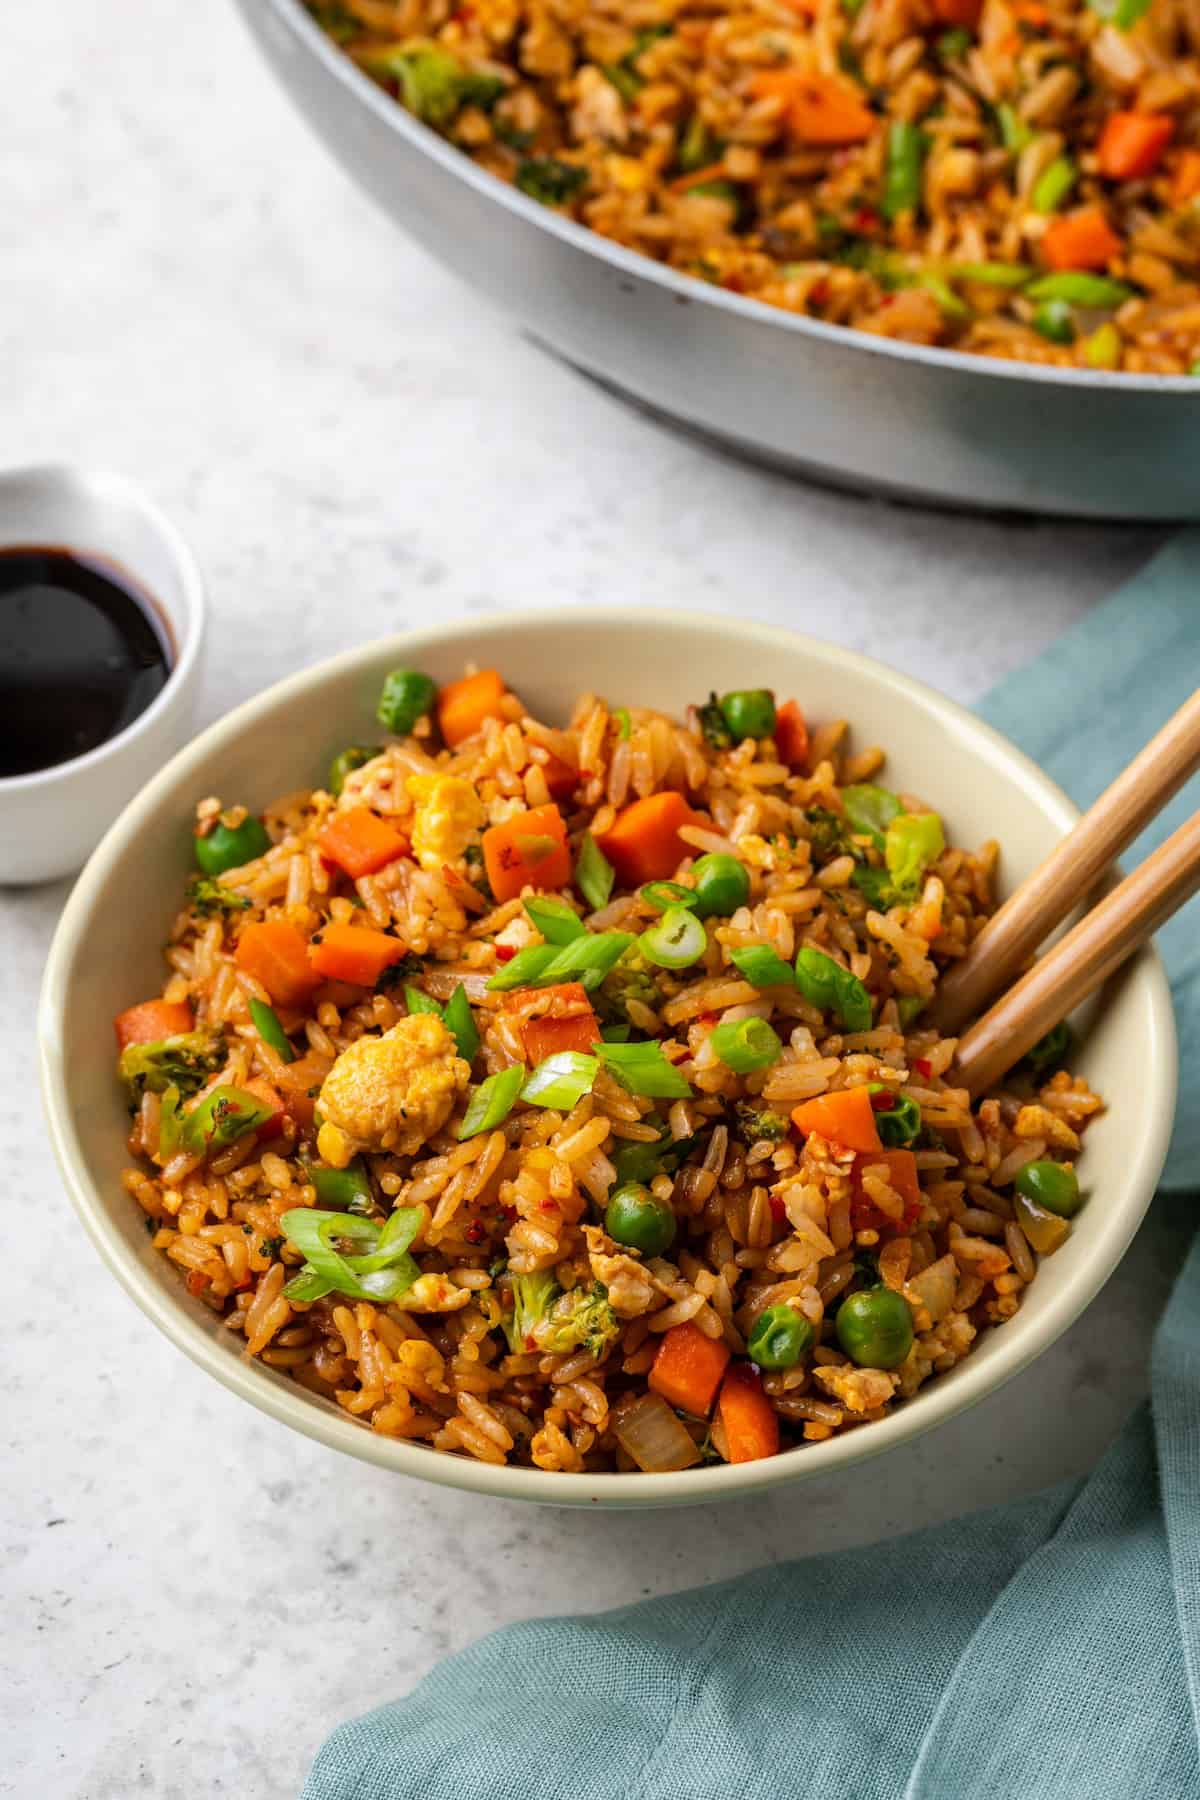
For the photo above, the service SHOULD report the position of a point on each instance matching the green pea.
(875, 1328)
(780, 1337)
(749, 712)
(1054, 321)
(407, 696)
(722, 885)
(229, 846)
(1053, 1185)
(638, 1218)
(353, 757)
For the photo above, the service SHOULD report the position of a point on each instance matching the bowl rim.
(295, 18)
(187, 622)
(315, 1419)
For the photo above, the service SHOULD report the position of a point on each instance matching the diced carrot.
(272, 1125)
(966, 12)
(791, 735)
(1083, 239)
(845, 1118)
(463, 706)
(1185, 178)
(1132, 143)
(276, 954)
(360, 842)
(901, 1174)
(561, 778)
(354, 953)
(688, 1368)
(546, 1037)
(151, 1021)
(819, 109)
(750, 1421)
(643, 843)
(528, 850)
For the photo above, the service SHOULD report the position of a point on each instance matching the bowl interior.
(107, 955)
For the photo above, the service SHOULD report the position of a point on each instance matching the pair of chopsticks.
(1088, 954)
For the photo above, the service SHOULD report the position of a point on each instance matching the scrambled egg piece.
(448, 814)
(391, 1092)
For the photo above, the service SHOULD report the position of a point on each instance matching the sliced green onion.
(381, 1273)
(870, 810)
(1052, 320)
(675, 941)
(1080, 289)
(561, 1080)
(907, 1007)
(594, 874)
(587, 958)
(1124, 14)
(459, 1021)
(762, 966)
(1054, 184)
(624, 722)
(662, 895)
(224, 1114)
(953, 43)
(266, 1023)
(902, 169)
(557, 922)
(944, 294)
(643, 1069)
(616, 1034)
(344, 1190)
(418, 1002)
(746, 1044)
(491, 1102)
(1015, 134)
(826, 984)
(523, 969)
(992, 274)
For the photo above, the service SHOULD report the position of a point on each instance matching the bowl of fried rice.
(946, 249)
(524, 1075)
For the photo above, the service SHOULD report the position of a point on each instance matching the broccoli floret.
(184, 1062)
(544, 1318)
(877, 887)
(756, 1124)
(630, 978)
(713, 728)
(206, 897)
(397, 973)
(433, 84)
(550, 180)
(829, 834)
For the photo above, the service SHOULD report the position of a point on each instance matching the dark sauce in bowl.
(82, 655)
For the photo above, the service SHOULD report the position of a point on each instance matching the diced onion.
(654, 1436)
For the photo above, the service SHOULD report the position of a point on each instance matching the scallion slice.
(561, 1080)
(266, 1023)
(418, 1002)
(523, 970)
(643, 1069)
(746, 1044)
(382, 1272)
(663, 895)
(491, 1102)
(587, 959)
(826, 984)
(675, 941)
(557, 922)
(762, 966)
(594, 874)
(460, 1023)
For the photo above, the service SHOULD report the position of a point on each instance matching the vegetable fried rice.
(563, 1096)
(1017, 178)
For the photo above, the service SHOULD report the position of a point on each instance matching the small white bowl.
(107, 954)
(52, 818)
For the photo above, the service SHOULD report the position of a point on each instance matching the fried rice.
(338, 1140)
(1015, 178)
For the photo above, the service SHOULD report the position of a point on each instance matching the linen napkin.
(1046, 1650)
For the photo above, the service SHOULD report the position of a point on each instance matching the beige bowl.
(106, 954)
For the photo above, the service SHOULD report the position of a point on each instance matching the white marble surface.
(193, 294)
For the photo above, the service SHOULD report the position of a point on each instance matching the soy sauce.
(82, 654)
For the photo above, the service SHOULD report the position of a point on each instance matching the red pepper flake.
(865, 219)
(530, 1341)
(546, 1206)
(778, 1209)
(510, 1212)
(504, 952)
(883, 1101)
(923, 1066)
(474, 1233)
(454, 879)
(196, 1281)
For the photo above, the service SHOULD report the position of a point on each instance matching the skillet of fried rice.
(562, 1096)
(1014, 178)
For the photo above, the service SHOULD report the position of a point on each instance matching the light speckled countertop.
(193, 294)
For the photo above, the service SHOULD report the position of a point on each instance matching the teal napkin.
(1048, 1650)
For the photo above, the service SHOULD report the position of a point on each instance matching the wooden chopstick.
(1077, 965)
(1043, 901)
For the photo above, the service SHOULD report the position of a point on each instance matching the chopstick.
(1043, 901)
(1083, 959)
